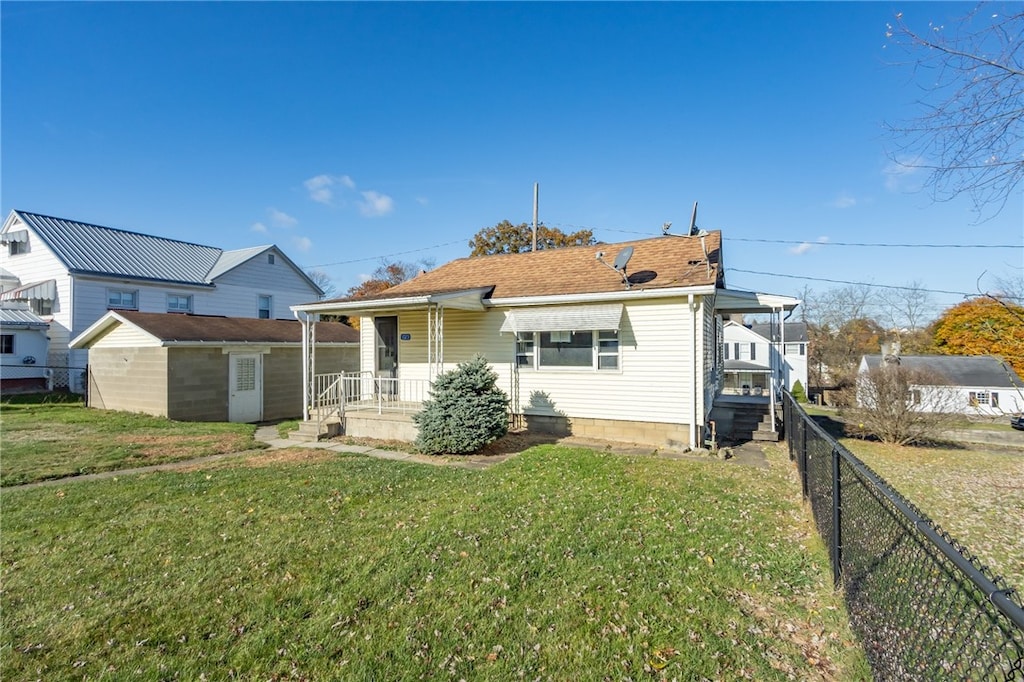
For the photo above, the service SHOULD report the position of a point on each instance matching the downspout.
(693, 354)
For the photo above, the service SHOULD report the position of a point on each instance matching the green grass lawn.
(557, 564)
(42, 440)
(976, 494)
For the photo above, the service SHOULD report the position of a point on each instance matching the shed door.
(245, 388)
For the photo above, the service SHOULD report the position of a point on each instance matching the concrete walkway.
(749, 454)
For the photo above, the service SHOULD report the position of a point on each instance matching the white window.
(17, 248)
(122, 299)
(568, 350)
(270, 258)
(979, 398)
(525, 350)
(745, 351)
(179, 304)
(41, 306)
(7, 342)
(265, 307)
(794, 349)
(608, 350)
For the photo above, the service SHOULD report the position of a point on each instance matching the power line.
(388, 255)
(866, 284)
(812, 242)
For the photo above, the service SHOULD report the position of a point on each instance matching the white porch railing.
(362, 391)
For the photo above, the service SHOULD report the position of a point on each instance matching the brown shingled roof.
(657, 263)
(214, 329)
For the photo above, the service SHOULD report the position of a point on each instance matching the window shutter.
(753, 353)
(737, 349)
(725, 351)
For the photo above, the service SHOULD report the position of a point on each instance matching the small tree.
(900, 405)
(799, 394)
(466, 411)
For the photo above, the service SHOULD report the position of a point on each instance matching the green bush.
(799, 394)
(465, 411)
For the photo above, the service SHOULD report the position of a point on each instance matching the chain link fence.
(924, 607)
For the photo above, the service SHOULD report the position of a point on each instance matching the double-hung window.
(265, 307)
(122, 299)
(6, 344)
(179, 304)
(597, 349)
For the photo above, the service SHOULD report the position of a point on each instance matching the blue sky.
(347, 133)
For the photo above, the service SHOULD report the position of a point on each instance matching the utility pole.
(536, 206)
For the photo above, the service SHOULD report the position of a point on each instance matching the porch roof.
(736, 301)
(744, 366)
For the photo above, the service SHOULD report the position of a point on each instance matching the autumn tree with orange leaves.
(983, 326)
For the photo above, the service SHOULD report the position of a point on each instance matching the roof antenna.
(694, 230)
(619, 265)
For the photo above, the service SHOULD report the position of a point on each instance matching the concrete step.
(307, 431)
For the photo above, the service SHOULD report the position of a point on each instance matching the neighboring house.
(753, 354)
(578, 346)
(71, 273)
(23, 347)
(982, 385)
(203, 368)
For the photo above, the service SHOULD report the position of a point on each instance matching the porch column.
(435, 341)
(308, 360)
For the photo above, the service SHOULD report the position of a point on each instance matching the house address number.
(406, 337)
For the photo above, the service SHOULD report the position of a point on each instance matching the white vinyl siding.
(125, 336)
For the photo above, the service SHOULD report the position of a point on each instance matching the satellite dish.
(693, 221)
(623, 258)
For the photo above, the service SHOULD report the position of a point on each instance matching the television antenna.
(619, 265)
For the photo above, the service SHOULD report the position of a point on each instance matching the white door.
(245, 388)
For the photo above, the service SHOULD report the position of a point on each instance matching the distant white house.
(23, 348)
(753, 353)
(982, 386)
(71, 273)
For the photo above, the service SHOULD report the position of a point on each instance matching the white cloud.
(321, 187)
(281, 219)
(806, 247)
(302, 243)
(844, 200)
(903, 175)
(259, 227)
(375, 204)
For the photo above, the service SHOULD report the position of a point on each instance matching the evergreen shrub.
(466, 411)
(799, 394)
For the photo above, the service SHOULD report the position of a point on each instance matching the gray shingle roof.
(960, 370)
(796, 332)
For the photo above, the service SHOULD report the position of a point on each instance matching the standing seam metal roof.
(86, 248)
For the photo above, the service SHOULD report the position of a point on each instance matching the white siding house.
(752, 353)
(23, 347)
(976, 386)
(71, 273)
(578, 347)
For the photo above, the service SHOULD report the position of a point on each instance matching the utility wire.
(866, 284)
(389, 255)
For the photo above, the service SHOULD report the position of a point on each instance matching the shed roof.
(960, 370)
(657, 263)
(179, 328)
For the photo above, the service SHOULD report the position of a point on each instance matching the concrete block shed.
(207, 368)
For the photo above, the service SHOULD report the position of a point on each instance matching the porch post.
(304, 321)
(772, 360)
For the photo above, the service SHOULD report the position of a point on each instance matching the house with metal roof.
(972, 385)
(24, 344)
(71, 273)
(613, 341)
(207, 368)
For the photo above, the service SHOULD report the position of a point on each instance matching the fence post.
(803, 456)
(837, 519)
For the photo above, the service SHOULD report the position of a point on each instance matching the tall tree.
(970, 134)
(324, 281)
(508, 238)
(386, 276)
(983, 326)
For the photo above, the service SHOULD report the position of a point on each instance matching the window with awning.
(605, 316)
(45, 291)
(568, 337)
